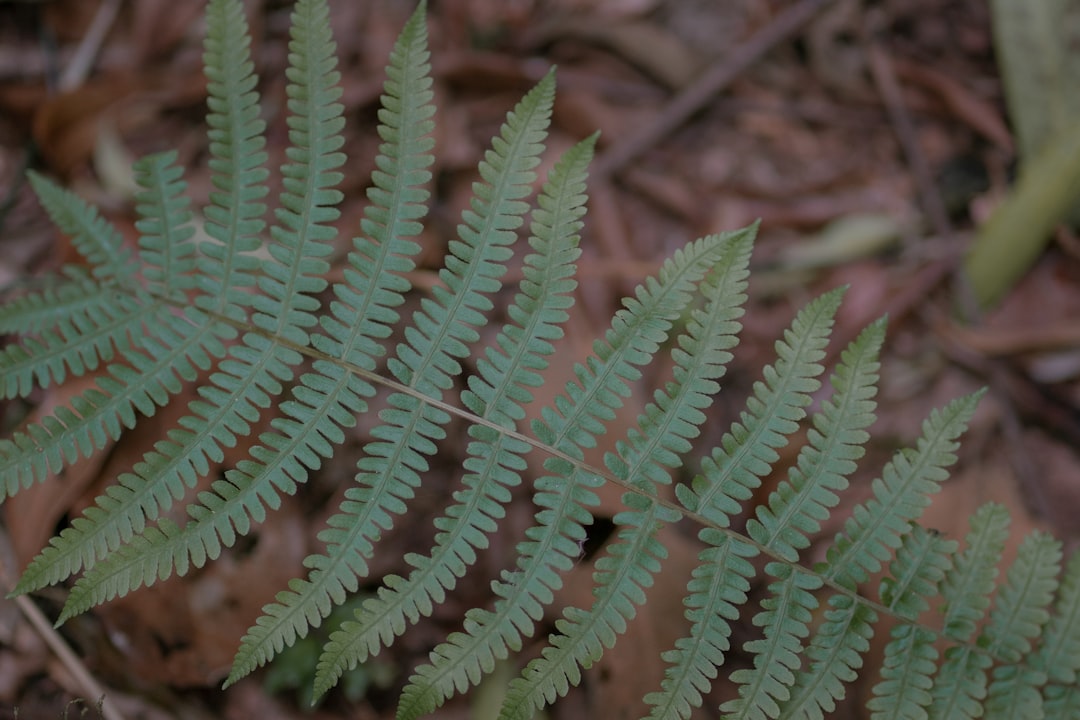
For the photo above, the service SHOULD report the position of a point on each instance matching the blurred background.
(878, 142)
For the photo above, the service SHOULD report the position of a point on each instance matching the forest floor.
(870, 139)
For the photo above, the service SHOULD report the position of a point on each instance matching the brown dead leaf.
(66, 125)
(184, 632)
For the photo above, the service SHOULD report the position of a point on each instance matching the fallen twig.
(702, 91)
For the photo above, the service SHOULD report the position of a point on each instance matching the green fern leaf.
(332, 393)
(91, 235)
(1019, 615)
(906, 675)
(636, 333)
(715, 593)
(960, 685)
(166, 251)
(76, 345)
(1061, 702)
(834, 655)
(583, 635)
(175, 354)
(968, 586)
(495, 393)
(234, 217)
(797, 507)
(916, 572)
(175, 350)
(1014, 693)
(1021, 607)
(443, 329)
(71, 294)
(114, 317)
(748, 450)
(255, 370)
(159, 347)
(233, 315)
(785, 618)
(901, 493)
(961, 682)
(1059, 653)
(644, 460)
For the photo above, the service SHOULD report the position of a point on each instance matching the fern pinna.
(238, 312)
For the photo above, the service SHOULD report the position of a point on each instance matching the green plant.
(1037, 51)
(244, 312)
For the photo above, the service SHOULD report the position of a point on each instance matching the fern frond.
(916, 572)
(960, 684)
(968, 585)
(1021, 607)
(372, 289)
(1061, 702)
(174, 355)
(644, 460)
(796, 508)
(785, 617)
(91, 328)
(91, 235)
(374, 281)
(173, 350)
(563, 497)
(496, 393)
(308, 201)
(1059, 652)
(799, 504)
(166, 251)
(234, 218)
(1019, 614)
(906, 675)
(915, 575)
(69, 294)
(1014, 693)
(874, 529)
(77, 344)
(582, 636)
(254, 371)
(426, 363)
(715, 593)
(834, 656)
(239, 311)
(748, 450)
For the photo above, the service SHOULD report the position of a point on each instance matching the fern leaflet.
(748, 450)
